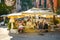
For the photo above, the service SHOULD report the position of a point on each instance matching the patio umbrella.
(15, 15)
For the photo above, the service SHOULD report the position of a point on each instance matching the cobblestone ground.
(5, 35)
(36, 36)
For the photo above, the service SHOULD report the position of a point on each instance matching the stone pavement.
(36, 36)
(4, 34)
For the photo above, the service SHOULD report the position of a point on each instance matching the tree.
(29, 3)
(5, 9)
(26, 4)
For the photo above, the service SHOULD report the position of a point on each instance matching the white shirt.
(21, 26)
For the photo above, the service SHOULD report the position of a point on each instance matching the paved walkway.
(36, 36)
(4, 34)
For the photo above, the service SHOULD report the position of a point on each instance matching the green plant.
(58, 20)
(58, 11)
(26, 4)
(15, 27)
(9, 26)
(5, 9)
(55, 21)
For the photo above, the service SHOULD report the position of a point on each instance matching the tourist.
(20, 28)
(46, 26)
(41, 27)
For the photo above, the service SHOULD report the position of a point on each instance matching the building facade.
(46, 4)
(42, 3)
(39, 4)
(35, 3)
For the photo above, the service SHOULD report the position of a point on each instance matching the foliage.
(58, 11)
(55, 20)
(9, 26)
(26, 4)
(15, 27)
(6, 20)
(59, 20)
(5, 9)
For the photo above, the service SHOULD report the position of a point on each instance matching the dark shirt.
(45, 26)
(41, 26)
